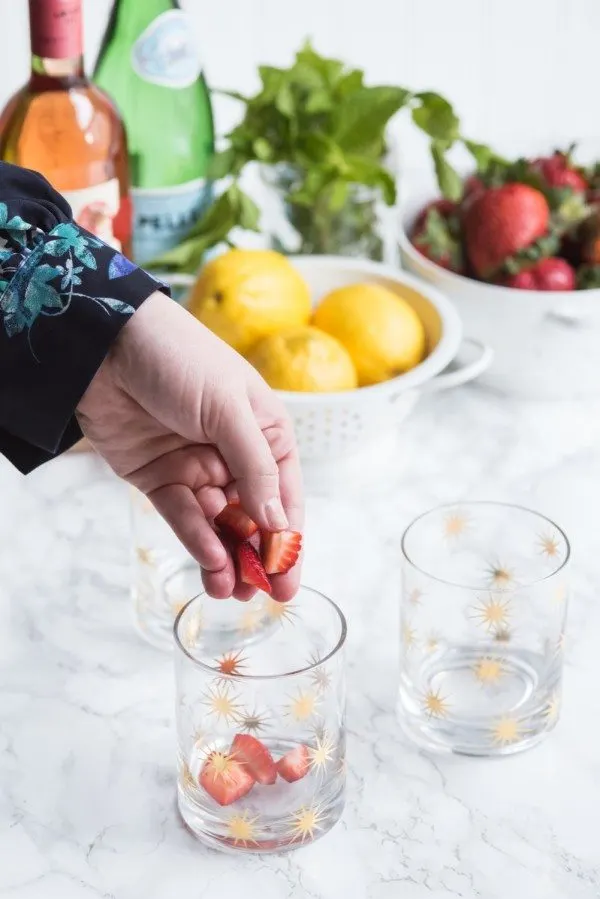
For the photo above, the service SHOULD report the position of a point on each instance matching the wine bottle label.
(56, 29)
(165, 52)
(163, 216)
(95, 209)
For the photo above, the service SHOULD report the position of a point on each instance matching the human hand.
(186, 420)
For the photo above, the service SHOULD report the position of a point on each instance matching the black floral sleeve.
(64, 296)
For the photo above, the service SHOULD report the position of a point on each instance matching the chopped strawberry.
(547, 274)
(255, 757)
(280, 550)
(234, 521)
(473, 185)
(250, 568)
(294, 764)
(224, 778)
(445, 207)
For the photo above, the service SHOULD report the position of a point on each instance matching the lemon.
(380, 330)
(304, 359)
(244, 295)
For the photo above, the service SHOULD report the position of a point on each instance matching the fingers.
(253, 468)
(180, 509)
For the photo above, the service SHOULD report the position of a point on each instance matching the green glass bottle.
(150, 66)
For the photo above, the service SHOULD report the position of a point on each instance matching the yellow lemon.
(244, 295)
(304, 359)
(380, 330)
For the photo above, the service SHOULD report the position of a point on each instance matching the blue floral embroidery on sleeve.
(39, 273)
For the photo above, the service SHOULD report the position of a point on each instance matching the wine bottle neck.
(133, 16)
(56, 41)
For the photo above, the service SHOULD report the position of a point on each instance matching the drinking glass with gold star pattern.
(483, 615)
(260, 723)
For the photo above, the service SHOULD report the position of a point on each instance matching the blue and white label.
(163, 216)
(165, 52)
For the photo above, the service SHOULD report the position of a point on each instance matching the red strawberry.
(547, 274)
(280, 550)
(501, 221)
(224, 778)
(558, 171)
(433, 235)
(255, 757)
(294, 764)
(445, 207)
(473, 185)
(234, 521)
(250, 568)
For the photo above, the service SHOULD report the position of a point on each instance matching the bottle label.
(95, 209)
(165, 52)
(56, 28)
(163, 216)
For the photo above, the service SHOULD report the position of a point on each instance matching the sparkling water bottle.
(151, 67)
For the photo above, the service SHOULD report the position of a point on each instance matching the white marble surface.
(86, 738)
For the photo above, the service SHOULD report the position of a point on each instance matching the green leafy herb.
(322, 130)
(588, 277)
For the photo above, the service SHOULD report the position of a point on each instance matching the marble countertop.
(87, 799)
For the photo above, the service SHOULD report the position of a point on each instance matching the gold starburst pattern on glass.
(231, 662)
(303, 705)
(489, 670)
(549, 545)
(223, 764)
(193, 629)
(199, 741)
(500, 576)
(432, 642)
(506, 730)
(254, 722)
(492, 613)
(321, 753)
(280, 611)
(177, 605)
(320, 676)
(552, 708)
(409, 636)
(187, 778)
(435, 705)
(250, 621)
(222, 702)
(306, 821)
(415, 596)
(455, 524)
(145, 556)
(242, 829)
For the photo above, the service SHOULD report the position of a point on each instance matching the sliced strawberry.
(255, 757)
(224, 778)
(294, 764)
(280, 550)
(234, 521)
(250, 568)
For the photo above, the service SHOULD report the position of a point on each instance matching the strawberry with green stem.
(436, 236)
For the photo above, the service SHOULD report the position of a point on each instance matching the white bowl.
(545, 344)
(336, 432)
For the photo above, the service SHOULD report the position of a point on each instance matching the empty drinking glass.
(260, 715)
(483, 612)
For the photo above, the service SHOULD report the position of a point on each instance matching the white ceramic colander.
(335, 430)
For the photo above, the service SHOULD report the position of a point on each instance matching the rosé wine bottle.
(66, 128)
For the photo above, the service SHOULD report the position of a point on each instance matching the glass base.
(481, 704)
(253, 830)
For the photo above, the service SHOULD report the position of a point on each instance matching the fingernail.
(275, 515)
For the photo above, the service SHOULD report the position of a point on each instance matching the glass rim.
(238, 677)
(499, 505)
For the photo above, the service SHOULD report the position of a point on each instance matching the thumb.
(252, 465)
